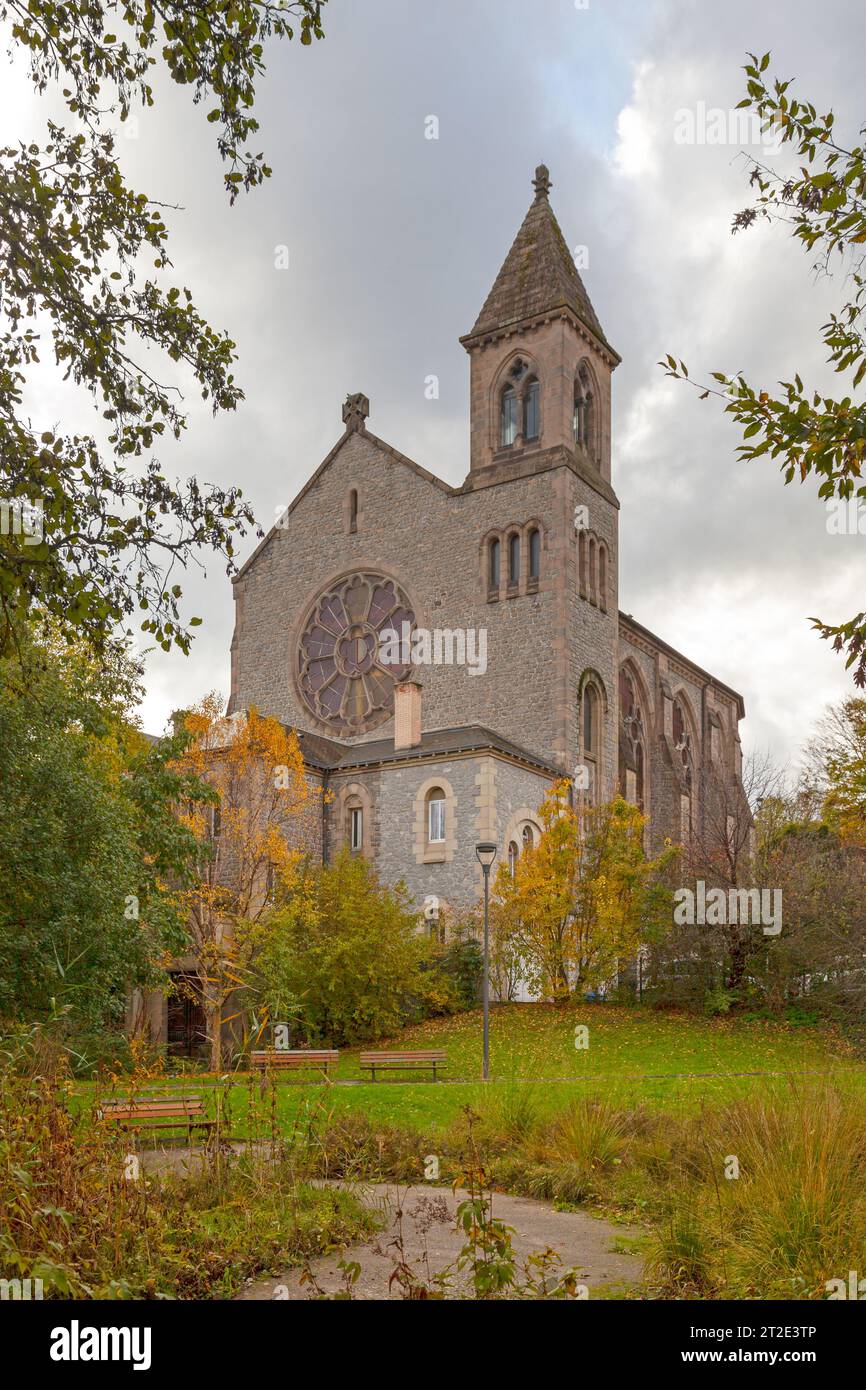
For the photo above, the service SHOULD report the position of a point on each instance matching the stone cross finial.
(355, 411)
(541, 182)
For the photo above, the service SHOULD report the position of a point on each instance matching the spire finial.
(541, 182)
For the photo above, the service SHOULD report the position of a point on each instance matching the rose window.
(348, 659)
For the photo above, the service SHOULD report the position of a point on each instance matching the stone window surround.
(503, 535)
(680, 696)
(354, 794)
(501, 382)
(593, 569)
(519, 819)
(593, 453)
(591, 677)
(442, 851)
(351, 511)
(630, 666)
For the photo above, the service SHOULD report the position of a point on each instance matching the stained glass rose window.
(348, 661)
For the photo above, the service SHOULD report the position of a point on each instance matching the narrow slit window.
(531, 411)
(534, 554)
(508, 417)
(513, 561)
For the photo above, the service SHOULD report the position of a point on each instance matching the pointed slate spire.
(538, 274)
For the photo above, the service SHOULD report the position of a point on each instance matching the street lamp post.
(485, 853)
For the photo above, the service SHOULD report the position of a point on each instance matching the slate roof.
(326, 754)
(538, 274)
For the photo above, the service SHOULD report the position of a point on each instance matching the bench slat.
(156, 1112)
(384, 1057)
(294, 1059)
(163, 1113)
(168, 1108)
(132, 1123)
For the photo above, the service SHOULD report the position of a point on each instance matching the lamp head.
(485, 853)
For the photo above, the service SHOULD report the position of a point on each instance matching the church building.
(446, 653)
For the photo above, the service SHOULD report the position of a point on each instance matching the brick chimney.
(407, 713)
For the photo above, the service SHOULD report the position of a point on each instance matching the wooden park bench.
(156, 1112)
(303, 1059)
(401, 1061)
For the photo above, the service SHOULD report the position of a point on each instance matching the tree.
(842, 739)
(822, 202)
(91, 852)
(348, 949)
(93, 534)
(821, 953)
(250, 842)
(583, 899)
(782, 837)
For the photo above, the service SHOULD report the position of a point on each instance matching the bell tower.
(540, 365)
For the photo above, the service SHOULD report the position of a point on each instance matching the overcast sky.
(394, 240)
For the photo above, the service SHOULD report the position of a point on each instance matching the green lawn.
(634, 1056)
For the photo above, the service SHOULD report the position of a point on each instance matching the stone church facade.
(504, 590)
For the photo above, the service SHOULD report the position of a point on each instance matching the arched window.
(493, 564)
(534, 554)
(683, 742)
(581, 563)
(356, 828)
(591, 738)
(527, 837)
(513, 560)
(353, 511)
(532, 410)
(631, 742)
(513, 853)
(508, 417)
(683, 748)
(593, 570)
(435, 816)
(590, 707)
(584, 411)
(602, 576)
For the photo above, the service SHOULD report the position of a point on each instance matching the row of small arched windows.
(527, 839)
(592, 569)
(505, 556)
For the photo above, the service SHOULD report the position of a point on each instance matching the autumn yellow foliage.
(581, 901)
(252, 840)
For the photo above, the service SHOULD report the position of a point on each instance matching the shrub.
(461, 963)
(77, 1218)
(349, 951)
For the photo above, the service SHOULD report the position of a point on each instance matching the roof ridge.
(380, 444)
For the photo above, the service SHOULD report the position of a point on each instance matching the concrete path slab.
(431, 1242)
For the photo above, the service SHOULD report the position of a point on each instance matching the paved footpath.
(582, 1241)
